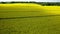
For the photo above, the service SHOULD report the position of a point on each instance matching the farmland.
(29, 19)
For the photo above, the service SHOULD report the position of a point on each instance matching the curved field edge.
(27, 9)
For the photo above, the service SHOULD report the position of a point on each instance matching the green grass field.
(29, 19)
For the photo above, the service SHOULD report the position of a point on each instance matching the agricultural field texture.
(29, 18)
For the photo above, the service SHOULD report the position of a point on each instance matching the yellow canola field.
(30, 6)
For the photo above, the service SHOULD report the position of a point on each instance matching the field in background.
(29, 19)
(27, 9)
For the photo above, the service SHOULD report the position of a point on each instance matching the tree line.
(41, 3)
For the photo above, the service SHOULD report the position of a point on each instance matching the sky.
(32, 0)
